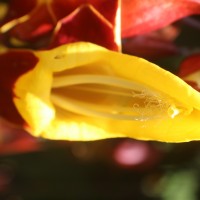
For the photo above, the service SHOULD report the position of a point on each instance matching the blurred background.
(107, 169)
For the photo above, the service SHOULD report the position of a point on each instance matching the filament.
(146, 104)
(90, 109)
(63, 81)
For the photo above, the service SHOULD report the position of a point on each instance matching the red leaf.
(139, 17)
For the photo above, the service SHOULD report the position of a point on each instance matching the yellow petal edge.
(82, 91)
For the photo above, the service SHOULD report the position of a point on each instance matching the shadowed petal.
(15, 140)
(13, 65)
(33, 26)
(148, 47)
(17, 9)
(75, 27)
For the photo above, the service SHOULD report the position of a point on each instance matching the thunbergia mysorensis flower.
(82, 91)
(50, 23)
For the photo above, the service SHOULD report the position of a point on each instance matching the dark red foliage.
(36, 31)
(18, 8)
(13, 65)
(15, 139)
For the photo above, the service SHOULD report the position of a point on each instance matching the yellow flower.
(82, 91)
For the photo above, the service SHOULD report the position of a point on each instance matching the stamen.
(63, 81)
(122, 93)
(90, 109)
(146, 104)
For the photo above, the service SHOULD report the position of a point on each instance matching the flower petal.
(189, 71)
(159, 106)
(33, 25)
(17, 9)
(75, 27)
(62, 8)
(139, 17)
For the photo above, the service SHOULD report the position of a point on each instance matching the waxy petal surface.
(82, 91)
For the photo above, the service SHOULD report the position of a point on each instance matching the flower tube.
(82, 91)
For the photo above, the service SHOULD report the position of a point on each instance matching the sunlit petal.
(139, 17)
(82, 91)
